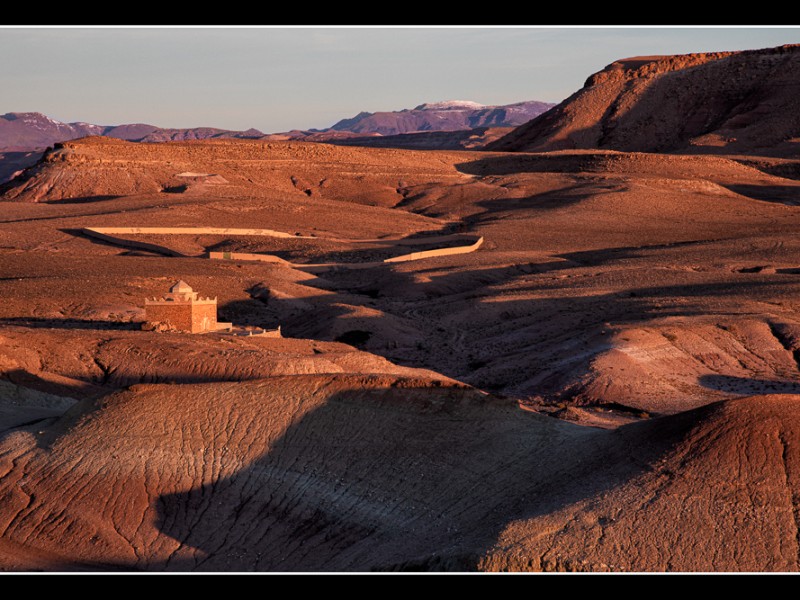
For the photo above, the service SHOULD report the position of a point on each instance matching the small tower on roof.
(182, 310)
(181, 290)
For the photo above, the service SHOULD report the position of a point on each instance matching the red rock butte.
(720, 103)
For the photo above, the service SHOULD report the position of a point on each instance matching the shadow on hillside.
(782, 194)
(789, 169)
(514, 163)
(362, 483)
(500, 208)
(747, 386)
(84, 199)
(307, 318)
(550, 334)
(52, 323)
(254, 312)
(62, 387)
(126, 245)
(12, 162)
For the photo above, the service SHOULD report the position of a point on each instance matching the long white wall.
(436, 239)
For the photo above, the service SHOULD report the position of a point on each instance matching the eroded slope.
(380, 472)
(723, 102)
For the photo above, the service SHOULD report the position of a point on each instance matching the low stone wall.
(437, 252)
(106, 234)
(320, 267)
(248, 256)
(109, 232)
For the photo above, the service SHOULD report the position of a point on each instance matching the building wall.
(204, 317)
(177, 315)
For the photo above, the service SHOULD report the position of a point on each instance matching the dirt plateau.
(609, 383)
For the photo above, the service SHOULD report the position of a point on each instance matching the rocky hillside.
(646, 302)
(731, 102)
(443, 116)
(98, 167)
(380, 472)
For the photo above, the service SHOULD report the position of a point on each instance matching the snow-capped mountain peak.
(451, 105)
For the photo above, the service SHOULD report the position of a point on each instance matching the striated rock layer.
(378, 472)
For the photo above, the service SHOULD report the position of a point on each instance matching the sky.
(277, 79)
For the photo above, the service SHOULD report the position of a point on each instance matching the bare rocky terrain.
(611, 382)
(718, 103)
(628, 331)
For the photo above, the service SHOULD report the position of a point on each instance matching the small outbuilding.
(182, 310)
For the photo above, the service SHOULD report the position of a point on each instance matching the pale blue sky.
(281, 79)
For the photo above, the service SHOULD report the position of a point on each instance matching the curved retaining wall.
(104, 233)
(99, 233)
(318, 267)
(437, 252)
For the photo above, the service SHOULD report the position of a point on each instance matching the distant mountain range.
(453, 115)
(34, 131)
(25, 135)
(27, 131)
